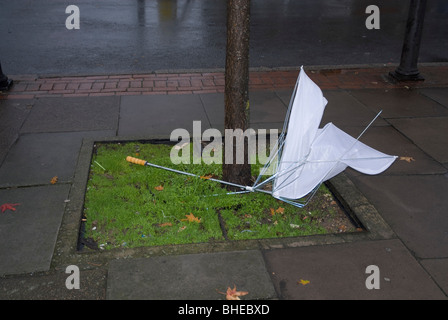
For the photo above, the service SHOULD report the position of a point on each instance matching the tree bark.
(236, 95)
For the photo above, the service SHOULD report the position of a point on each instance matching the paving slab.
(267, 111)
(399, 103)
(414, 206)
(190, 277)
(266, 106)
(12, 114)
(285, 95)
(159, 115)
(437, 94)
(28, 234)
(338, 272)
(214, 107)
(429, 134)
(437, 268)
(59, 114)
(37, 157)
(390, 141)
(51, 286)
(344, 110)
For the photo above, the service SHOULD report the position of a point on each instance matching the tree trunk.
(237, 88)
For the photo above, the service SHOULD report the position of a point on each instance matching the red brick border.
(212, 82)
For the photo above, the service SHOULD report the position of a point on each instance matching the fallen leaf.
(303, 282)
(232, 294)
(191, 218)
(182, 229)
(54, 180)
(279, 210)
(407, 159)
(158, 188)
(9, 206)
(94, 264)
(166, 224)
(206, 177)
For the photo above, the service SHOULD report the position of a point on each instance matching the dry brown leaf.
(54, 180)
(207, 177)
(9, 206)
(280, 210)
(158, 188)
(407, 159)
(166, 224)
(191, 218)
(303, 282)
(232, 294)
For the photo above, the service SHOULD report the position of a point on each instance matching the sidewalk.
(48, 123)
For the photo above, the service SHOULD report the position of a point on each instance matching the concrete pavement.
(48, 126)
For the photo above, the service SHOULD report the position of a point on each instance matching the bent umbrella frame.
(285, 169)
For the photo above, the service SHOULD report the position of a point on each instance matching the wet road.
(138, 36)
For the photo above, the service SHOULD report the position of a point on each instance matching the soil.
(334, 223)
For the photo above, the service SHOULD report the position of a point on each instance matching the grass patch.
(128, 205)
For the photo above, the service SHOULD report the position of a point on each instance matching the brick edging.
(212, 82)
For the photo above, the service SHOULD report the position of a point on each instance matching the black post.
(407, 70)
(5, 83)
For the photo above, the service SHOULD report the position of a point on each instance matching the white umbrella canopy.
(308, 155)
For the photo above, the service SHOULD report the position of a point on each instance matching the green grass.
(123, 207)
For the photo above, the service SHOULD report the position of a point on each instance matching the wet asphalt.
(146, 36)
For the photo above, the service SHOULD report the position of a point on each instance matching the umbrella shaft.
(195, 175)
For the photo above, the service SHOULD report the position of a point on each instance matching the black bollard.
(407, 70)
(5, 83)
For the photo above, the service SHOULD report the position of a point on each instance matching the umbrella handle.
(136, 161)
